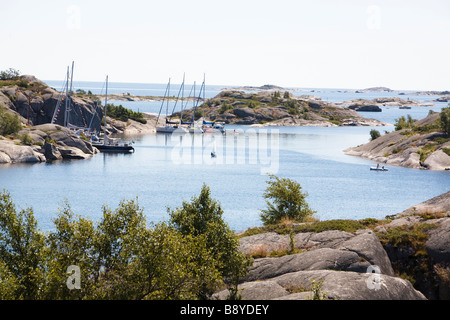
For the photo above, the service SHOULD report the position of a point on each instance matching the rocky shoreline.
(370, 263)
(407, 148)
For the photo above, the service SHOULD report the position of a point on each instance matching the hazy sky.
(293, 43)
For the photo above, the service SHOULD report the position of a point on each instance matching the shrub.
(9, 123)
(444, 119)
(404, 123)
(10, 74)
(374, 134)
(26, 139)
(288, 201)
(123, 114)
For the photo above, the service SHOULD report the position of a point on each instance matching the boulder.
(244, 112)
(319, 259)
(263, 243)
(334, 285)
(13, 153)
(51, 152)
(438, 243)
(352, 285)
(438, 160)
(72, 153)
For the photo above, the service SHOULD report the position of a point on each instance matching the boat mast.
(68, 91)
(67, 100)
(106, 102)
(203, 97)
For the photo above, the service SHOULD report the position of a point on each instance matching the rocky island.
(418, 144)
(274, 108)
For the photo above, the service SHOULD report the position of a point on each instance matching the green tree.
(374, 134)
(287, 201)
(202, 217)
(9, 74)
(9, 123)
(444, 119)
(71, 243)
(21, 251)
(404, 123)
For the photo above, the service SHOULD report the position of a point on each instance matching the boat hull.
(378, 169)
(117, 149)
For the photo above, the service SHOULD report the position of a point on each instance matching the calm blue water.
(165, 170)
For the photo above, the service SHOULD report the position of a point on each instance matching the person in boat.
(378, 166)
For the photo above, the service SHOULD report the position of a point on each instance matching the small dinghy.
(378, 169)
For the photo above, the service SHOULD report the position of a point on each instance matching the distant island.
(266, 87)
(374, 89)
(275, 108)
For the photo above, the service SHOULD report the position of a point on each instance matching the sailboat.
(209, 126)
(170, 126)
(192, 127)
(65, 102)
(111, 145)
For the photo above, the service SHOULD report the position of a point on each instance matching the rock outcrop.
(355, 265)
(48, 142)
(426, 149)
(36, 102)
(349, 266)
(275, 108)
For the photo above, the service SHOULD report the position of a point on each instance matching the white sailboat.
(111, 145)
(170, 126)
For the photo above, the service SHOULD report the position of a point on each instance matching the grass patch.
(446, 150)
(414, 236)
(426, 150)
(319, 226)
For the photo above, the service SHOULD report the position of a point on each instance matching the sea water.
(166, 169)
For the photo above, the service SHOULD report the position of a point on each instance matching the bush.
(444, 119)
(9, 123)
(26, 139)
(404, 123)
(10, 74)
(119, 258)
(288, 201)
(202, 218)
(374, 134)
(123, 114)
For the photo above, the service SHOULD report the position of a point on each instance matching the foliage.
(446, 150)
(10, 74)
(316, 290)
(404, 123)
(426, 150)
(347, 225)
(202, 218)
(374, 134)
(123, 114)
(26, 139)
(21, 251)
(120, 257)
(9, 123)
(288, 201)
(444, 119)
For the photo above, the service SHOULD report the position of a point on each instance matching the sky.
(355, 44)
